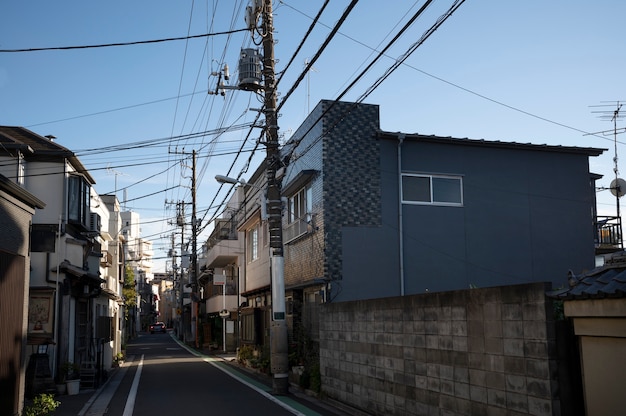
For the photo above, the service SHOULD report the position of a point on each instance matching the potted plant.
(71, 372)
(42, 404)
(118, 360)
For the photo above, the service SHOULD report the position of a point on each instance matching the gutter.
(401, 137)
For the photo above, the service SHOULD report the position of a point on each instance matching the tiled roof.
(591, 151)
(20, 135)
(42, 148)
(608, 281)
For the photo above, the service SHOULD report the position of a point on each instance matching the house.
(389, 214)
(138, 257)
(72, 271)
(222, 276)
(17, 207)
(595, 301)
(163, 287)
(373, 214)
(110, 305)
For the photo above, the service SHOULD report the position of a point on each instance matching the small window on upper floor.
(300, 208)
(78, 199)
(21, 169)
(432, 189)
(253, 244)
(300, 205)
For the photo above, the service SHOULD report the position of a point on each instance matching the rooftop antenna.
(117, 173)
(308, 85)
(618, 185)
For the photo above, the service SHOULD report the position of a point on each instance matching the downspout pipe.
(401, 137)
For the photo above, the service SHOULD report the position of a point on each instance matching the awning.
(66, 267)
(257, 291)
(111, 294)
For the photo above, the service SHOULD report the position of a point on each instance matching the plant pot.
(61, 388)
(73, 387)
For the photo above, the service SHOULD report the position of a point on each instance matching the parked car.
(157, 327)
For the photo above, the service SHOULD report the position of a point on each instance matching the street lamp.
(227, 179)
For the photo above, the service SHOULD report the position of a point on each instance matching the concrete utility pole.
(180, 221)
(193, 263)
(278, 329)
(194, 252)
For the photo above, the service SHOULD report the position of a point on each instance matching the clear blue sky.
(524, 71)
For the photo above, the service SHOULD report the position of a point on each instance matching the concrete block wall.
(471, 352)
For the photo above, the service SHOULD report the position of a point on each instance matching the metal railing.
(608, 236)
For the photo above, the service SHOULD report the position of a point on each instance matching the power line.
(107, 45)
(330, 36)
(128, 107)
(154, 142)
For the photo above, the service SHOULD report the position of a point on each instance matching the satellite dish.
(618, 187)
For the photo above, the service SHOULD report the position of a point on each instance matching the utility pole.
(249, 80)
(194, 253)
(180, 221)
(278, 329)
(193, 264)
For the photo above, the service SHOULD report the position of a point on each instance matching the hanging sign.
(219, 279)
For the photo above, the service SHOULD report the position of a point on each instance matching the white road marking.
(132, 395)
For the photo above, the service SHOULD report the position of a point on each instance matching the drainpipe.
(57, 306)
(401, 137)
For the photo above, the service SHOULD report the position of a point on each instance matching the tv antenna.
(308, 85)
(618, 185)
(117, 173)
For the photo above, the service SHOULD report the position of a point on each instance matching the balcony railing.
(608, 237)
(224, 230)
(295, 229)
(218, 290)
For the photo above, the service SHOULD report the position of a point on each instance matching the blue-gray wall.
(526, 217)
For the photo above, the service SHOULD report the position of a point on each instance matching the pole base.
(280, 386)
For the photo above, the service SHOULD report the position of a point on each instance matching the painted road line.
(132, 395)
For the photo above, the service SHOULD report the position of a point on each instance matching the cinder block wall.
(471, 352)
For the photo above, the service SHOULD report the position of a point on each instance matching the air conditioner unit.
(95, 223)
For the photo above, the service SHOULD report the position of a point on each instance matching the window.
(432, 189)
(78, 200)
(299, 215)
(301, 205)
(43, 238)
(253, 244)
(21, 168)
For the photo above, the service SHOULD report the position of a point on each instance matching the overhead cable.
(330, 36)
(107, 45)
(306, 36)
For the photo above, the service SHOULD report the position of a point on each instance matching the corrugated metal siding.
(12, 281)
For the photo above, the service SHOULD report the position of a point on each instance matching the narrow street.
(164, 377)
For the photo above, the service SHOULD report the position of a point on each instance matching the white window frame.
(300, 205)
(253, 244)
(433, 181)
(300, 208)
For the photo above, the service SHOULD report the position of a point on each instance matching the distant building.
(138, 255)
(221, 277)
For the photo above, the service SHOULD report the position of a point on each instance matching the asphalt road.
(163, 377)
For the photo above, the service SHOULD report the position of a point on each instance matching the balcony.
(608, 238)
(106, 260)
(216, 298)
(223, 245)
(296, 229)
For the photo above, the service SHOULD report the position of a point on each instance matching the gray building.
(374, 214)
